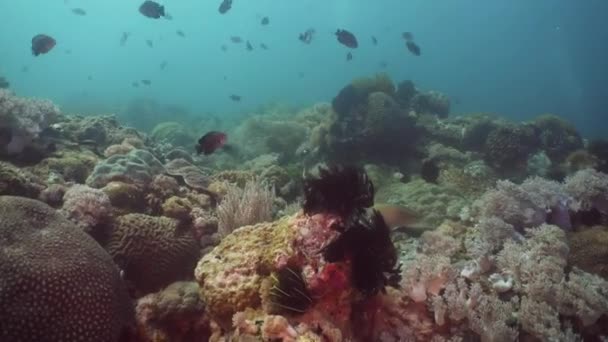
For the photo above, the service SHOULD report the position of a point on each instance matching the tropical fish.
(263, 46)
(265, 21)
(180, 33)
(374, 40)
(349, 56)
(235, 98)
(408, 36)
(347, 39)
(224, 48)
(306, 37)
(249, 47)
(429, 171)
(152, 9)
(150, 43)
(163, 65)
(225, 6)
(236, 39)
(400, 218)
(413, 48)
(135, 84)
(210, 142)
(79, 11)
(42, 44)
(146, 82)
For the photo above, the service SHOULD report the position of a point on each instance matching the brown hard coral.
(589, 250)
(153, 251)
(57, 283)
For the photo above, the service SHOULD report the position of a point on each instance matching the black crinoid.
(338, 190)
(288, 293)
(365, 237)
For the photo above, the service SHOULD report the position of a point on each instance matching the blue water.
(518, 58)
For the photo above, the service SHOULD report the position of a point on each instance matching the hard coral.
(174, 314)
(153, 251)
(508, 146)
(57, 283)
(137, 167)
(589, 250)
(558, 138)
(25, 119)
(88, 208)
(231, 275)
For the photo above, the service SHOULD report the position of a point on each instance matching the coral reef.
(369, 124)
(153, 251)
(175, 313)
(508, 147)
(434, 203)
(136, 167)
(23, 120)
(51, 269)
(17, 182)
(589, 250)
(558, 138)
(245, 206)
(174, 133)
(88, 208)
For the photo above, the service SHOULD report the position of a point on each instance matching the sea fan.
(340, 190)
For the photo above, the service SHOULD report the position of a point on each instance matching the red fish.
(42, 43)
(210, 142)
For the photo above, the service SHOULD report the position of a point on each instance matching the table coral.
(57, 283)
